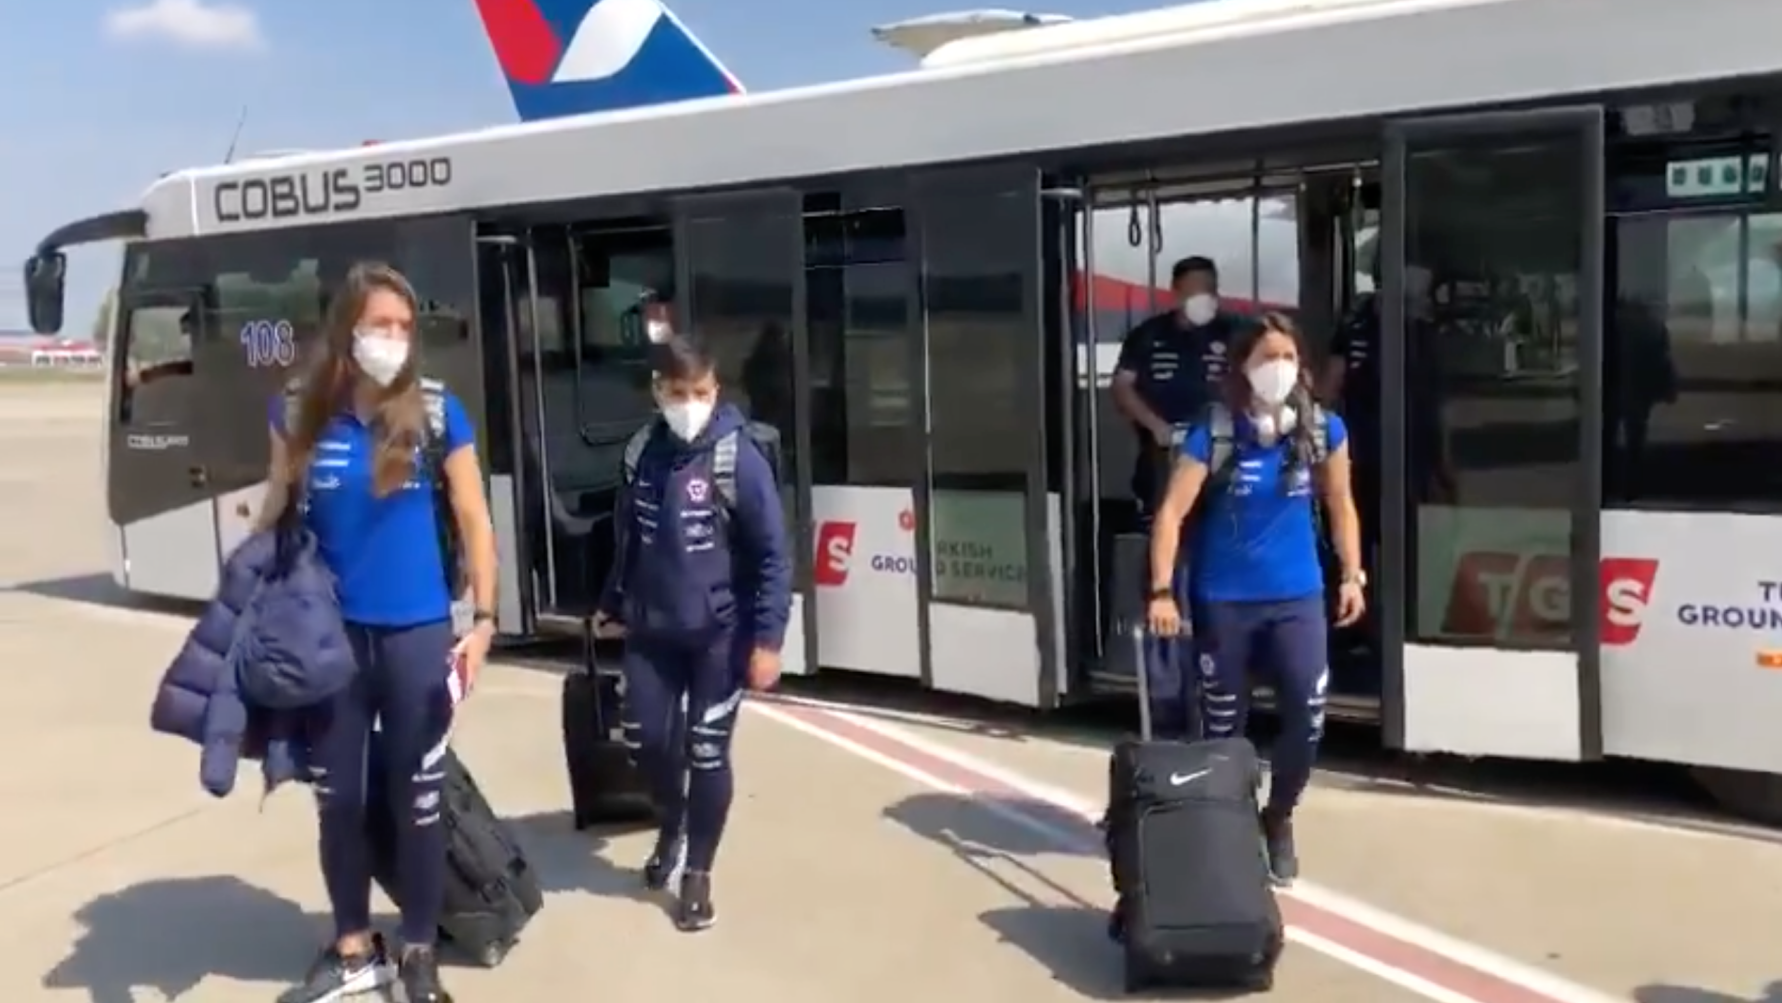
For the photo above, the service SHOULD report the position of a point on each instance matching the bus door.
(562, 519)
(1491, 355)
(159, 484)
(503, 281)
(740, 282)
(987, 530)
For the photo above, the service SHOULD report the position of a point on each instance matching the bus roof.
(1202, 69)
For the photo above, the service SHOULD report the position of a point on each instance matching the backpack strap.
(1320, 420)
(724, 467)
(1221, 442)
(634, 450)
(293, 398)
(433, 454)
(433, 393)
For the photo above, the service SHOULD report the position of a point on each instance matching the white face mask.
(379, 355)
(1273, 381)
(1200, 308)
(686, 419)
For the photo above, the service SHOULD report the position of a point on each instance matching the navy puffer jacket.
(267, 649)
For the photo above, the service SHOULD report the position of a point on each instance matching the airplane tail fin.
(574, 57)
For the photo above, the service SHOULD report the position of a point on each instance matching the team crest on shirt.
(698, 490)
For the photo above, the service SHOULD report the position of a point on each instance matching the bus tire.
(1753, 796)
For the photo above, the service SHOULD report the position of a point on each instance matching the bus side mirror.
(45, 273)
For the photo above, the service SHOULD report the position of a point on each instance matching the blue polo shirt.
(385, 552)
(1257, 539)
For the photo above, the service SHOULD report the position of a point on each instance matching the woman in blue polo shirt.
(360, 441)
(1255, 576)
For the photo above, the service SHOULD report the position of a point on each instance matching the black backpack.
(765, 437)
(1222, 441)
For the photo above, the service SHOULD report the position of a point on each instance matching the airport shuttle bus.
(1570, 210)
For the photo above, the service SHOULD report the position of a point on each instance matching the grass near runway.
(94, 375)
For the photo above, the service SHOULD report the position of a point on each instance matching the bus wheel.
(1756, 797)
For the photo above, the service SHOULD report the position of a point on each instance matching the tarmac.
(875, 852)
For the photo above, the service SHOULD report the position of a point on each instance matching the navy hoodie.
(693, 567)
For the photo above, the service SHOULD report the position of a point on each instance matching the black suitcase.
(1194, 907)
(491, 891)
(605, 785)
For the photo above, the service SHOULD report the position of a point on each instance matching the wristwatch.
(483, 616)
(1358, 578)
(1160, 592)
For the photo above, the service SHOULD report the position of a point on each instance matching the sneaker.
(695, 910)
(335, 976)
(1277, 841)
(664, 860)
(420, 976)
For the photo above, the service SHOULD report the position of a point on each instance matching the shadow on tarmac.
(1771, 993)
(98, 589)
(1067, 936)
(169, 935)
(1059, 929)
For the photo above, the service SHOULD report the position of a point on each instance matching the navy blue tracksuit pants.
(681, 703)
(403, 687)
(1286, 642)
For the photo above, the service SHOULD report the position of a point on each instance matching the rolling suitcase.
(605, 785)
(1194, 904)
(491, 891)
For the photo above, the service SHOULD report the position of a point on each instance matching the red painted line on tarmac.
(1413, 959)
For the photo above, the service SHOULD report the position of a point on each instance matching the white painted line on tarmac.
(1431, 964)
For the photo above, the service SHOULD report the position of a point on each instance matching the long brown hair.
(327, 387)
(1303, 446)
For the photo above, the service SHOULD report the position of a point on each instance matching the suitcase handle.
(1141, 630)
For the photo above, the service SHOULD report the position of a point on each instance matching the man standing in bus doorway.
(1169, 371)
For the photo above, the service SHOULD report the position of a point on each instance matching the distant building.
(23, 348)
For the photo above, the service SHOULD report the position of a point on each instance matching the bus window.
(981, 320)
(158, 365)
(857, 313)
(619, 274)
(1694, 362)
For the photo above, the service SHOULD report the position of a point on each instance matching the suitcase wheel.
(1262, 983)
(494, 953)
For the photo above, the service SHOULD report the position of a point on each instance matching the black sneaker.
(1277, 841)
(420, 976)
(695, 911)
(664, 860)
(335, 976)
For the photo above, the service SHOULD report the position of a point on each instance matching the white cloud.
(190, 23)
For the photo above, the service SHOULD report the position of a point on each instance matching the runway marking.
(1431, 964)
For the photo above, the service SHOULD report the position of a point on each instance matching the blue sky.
(98, 103)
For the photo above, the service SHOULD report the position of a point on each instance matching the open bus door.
(1491, 351)
(740, 282)
(502, 266)
(160, 486)
(988, 534)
